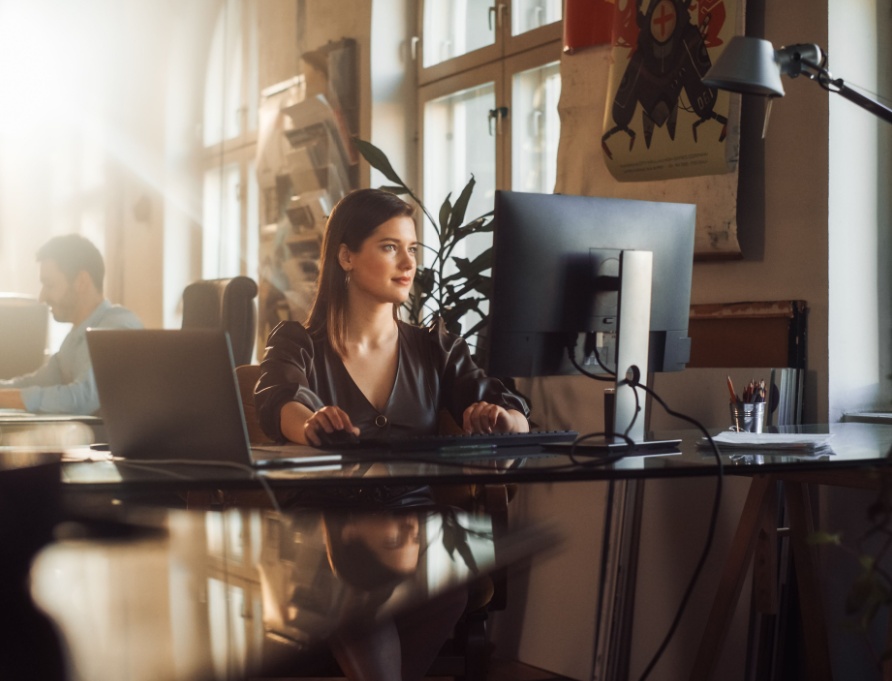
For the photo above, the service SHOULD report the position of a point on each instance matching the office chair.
(24, 325)
(224, 304)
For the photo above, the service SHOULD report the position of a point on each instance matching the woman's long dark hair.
(351, 222)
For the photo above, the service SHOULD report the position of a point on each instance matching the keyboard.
(433, 443)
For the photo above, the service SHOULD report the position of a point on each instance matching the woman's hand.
(306, 427)
(485, 417)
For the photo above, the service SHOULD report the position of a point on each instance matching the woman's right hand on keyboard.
(485, 417)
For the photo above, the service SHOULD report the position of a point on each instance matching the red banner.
(587, 23)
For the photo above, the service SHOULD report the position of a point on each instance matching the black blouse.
(434, 371)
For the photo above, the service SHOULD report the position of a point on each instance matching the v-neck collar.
(396, 375)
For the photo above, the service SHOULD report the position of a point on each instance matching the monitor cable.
(710, 533)
(635, 384)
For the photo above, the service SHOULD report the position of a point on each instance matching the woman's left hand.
(485, 417)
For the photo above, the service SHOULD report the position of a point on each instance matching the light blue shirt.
(65, 384)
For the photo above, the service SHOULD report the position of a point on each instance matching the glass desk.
(20, 429)
(184, 595)
(852, 447)
(856, 450)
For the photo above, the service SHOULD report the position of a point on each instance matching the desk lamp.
(753, 66)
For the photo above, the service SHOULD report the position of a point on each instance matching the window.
(489, 84)
(230, 213)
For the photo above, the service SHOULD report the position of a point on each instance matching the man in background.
(71, 276)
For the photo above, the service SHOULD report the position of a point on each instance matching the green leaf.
(861, 592)
(481, 225)
(867, 562)
(452, 321)
(439, 290)
(478, 265)
(465, 552)
(449, 541)
(819, 537)
(481, 324)
(398, 189)
(445, 212)
(461, 206)
(378, 160)
(484, 286)
(425, 278)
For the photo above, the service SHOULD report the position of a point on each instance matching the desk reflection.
(224, 595)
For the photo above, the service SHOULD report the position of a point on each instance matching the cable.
(571, 355)
(713, 521)
(710, 534)
(611, 376)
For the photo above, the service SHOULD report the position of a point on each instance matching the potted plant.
(447, 285)
(869, 596)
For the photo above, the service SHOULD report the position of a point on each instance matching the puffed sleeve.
(462, 381)
(286, 374)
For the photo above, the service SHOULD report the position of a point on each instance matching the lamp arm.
(876, 108)
(837, 85)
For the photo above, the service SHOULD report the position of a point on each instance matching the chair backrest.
(224, 304)
(24, 325)
(247, 375)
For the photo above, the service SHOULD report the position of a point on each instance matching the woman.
(355, 369)
(373, 553)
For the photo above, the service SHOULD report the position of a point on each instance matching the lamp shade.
(747, 65)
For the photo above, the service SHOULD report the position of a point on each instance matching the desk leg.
(814, 630)
(759, 501)
(887, 665)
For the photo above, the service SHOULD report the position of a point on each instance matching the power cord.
(710, 533)
(635, 384)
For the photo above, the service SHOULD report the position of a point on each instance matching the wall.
(860, 218)
(793, 262)
(859, 213)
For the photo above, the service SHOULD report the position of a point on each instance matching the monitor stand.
(625, 412)
(632, 344)
(633, 336)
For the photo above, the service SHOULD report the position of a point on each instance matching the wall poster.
(674, 166)
(660, 121)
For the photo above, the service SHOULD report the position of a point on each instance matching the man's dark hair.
(74, 253)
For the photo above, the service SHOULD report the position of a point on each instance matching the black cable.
(611, 376)
(571, 355)
(710, 534)
(713, 521)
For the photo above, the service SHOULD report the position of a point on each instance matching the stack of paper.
(785, 442)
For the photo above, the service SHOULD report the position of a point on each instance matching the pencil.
(731, 390)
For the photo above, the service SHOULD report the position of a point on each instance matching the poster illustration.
(660, 121)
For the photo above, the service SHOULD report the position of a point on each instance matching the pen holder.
(747, 416)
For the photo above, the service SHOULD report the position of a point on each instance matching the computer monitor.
(556, 276)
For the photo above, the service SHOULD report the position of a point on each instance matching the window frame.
(239, 149)
(505, 57)
(504, 46)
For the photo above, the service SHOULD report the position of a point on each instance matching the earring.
(347, 279)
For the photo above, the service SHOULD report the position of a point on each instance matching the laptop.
(170, 394)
